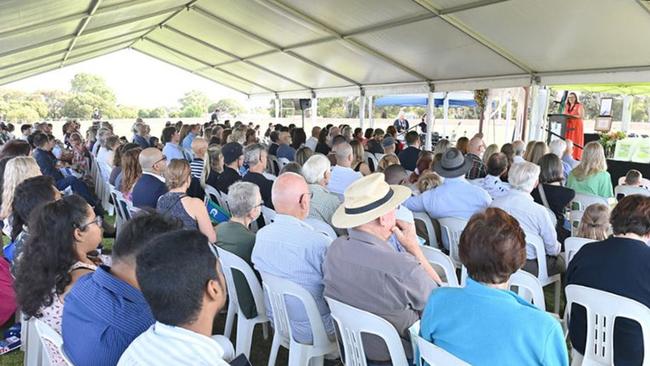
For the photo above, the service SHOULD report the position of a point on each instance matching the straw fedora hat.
(453, 164)
(367, 199)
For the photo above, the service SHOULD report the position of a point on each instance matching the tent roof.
(456, 99)
(612, 88)
(294, 48)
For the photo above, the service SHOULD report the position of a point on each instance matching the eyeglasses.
(98, 221)
(164, 158)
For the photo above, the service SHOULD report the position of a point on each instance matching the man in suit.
(151, 185)
(401, 124)
(408, 157)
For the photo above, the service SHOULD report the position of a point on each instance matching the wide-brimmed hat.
(367, 199)
(453, 164)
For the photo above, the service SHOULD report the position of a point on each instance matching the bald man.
(291, 249)
(475, 151)
(151, 185)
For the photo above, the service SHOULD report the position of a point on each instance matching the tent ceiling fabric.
(301, 48)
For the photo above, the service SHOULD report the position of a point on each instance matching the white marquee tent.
(321, 48)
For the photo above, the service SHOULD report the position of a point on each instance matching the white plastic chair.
(245, 326)
(31, 343)
(581, 201)
(602, 309)
(630, 190)
(321, 227)
(277, 290)
(273, 165)
(353, 322)
(47, 334)
(436, 356)
(268, 215)
(282, 162)
(529, 288)
(371, 160)
(452, 228)
(211, 193)
(104, 190)
(538, 244)
(572, 245)
(440, 259)
(431, 232)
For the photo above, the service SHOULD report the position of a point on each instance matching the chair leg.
(230, 318)
(265, 330)
(558, 292)
(244, 336)
(317, 361)
(298, 357)
(275, 347)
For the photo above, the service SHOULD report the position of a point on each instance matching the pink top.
(7, 294)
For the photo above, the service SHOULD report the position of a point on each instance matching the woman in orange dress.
(574, 125)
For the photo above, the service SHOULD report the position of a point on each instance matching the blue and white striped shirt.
(291, 249)
(164, 345)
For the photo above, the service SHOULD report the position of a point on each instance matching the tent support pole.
(445, 114)
(525, 119)
(314, 109)
(429, 120)
(362, 107)
(508, 117)
(628, 100)
(371, 118)
(277, 109)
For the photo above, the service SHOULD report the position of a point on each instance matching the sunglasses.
(164, 158)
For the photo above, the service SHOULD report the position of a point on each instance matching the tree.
(93, 84)
(193, 103)
(230, 106)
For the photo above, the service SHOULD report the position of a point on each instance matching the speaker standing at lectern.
(574, 125)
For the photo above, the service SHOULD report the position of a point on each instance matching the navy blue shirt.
(101, 317)
(408, 157)
(47, 163)
(620, 266)
(286, 151)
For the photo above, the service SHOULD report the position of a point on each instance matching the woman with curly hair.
(51, 264)
(131, 171)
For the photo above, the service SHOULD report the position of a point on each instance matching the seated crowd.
(334, 213)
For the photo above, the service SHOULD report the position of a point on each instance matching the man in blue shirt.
(105, 310)
(187, 141)
(171, 138)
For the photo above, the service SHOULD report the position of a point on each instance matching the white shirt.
(311, 143)
(341, 178)
(517, 159)
(105, 156)
(494, 186)
(533, 218)
(164, 344)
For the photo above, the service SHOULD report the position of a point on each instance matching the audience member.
(618, 265)
(423, 164)
(130, 173)
(292, 167)
(462, 144)
(172, 150)
(316, 172)
(484, 316)
(509, 150)
(199, 148)
(594, 223)
(409, 156)
(184, 321)
(568, 155)
(313, 140)
(491, 149)
(106, 152)
(51, 264)
(297, 257)
(302, 154)
(212, 167)
(285, 150)
(188, 139)
(518, 148)
(558, 147)
(322, 147)
(25, 130)
(298, 138)
(468, 198)
(235, 236)
(441, 147)
(273, 148)
(497, 166)
(139, 138)
(15, 148)
(255, 157)
(175, 203)
(16, 171)
(427, 181)
(475, 150)
(591, 175)
(633, 178)
(529, 150)
(405, 278)
(533, 217)
(48, 165)
(388, 144)
(358, 158)
(80, 154)
(31, 193)
(342, 174)
(233, 158)
(539, 149)
(105, 311)
(386, 161)
(552, 194)
(151, 185)
(374, 144)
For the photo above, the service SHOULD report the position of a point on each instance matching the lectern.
(557, 126)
